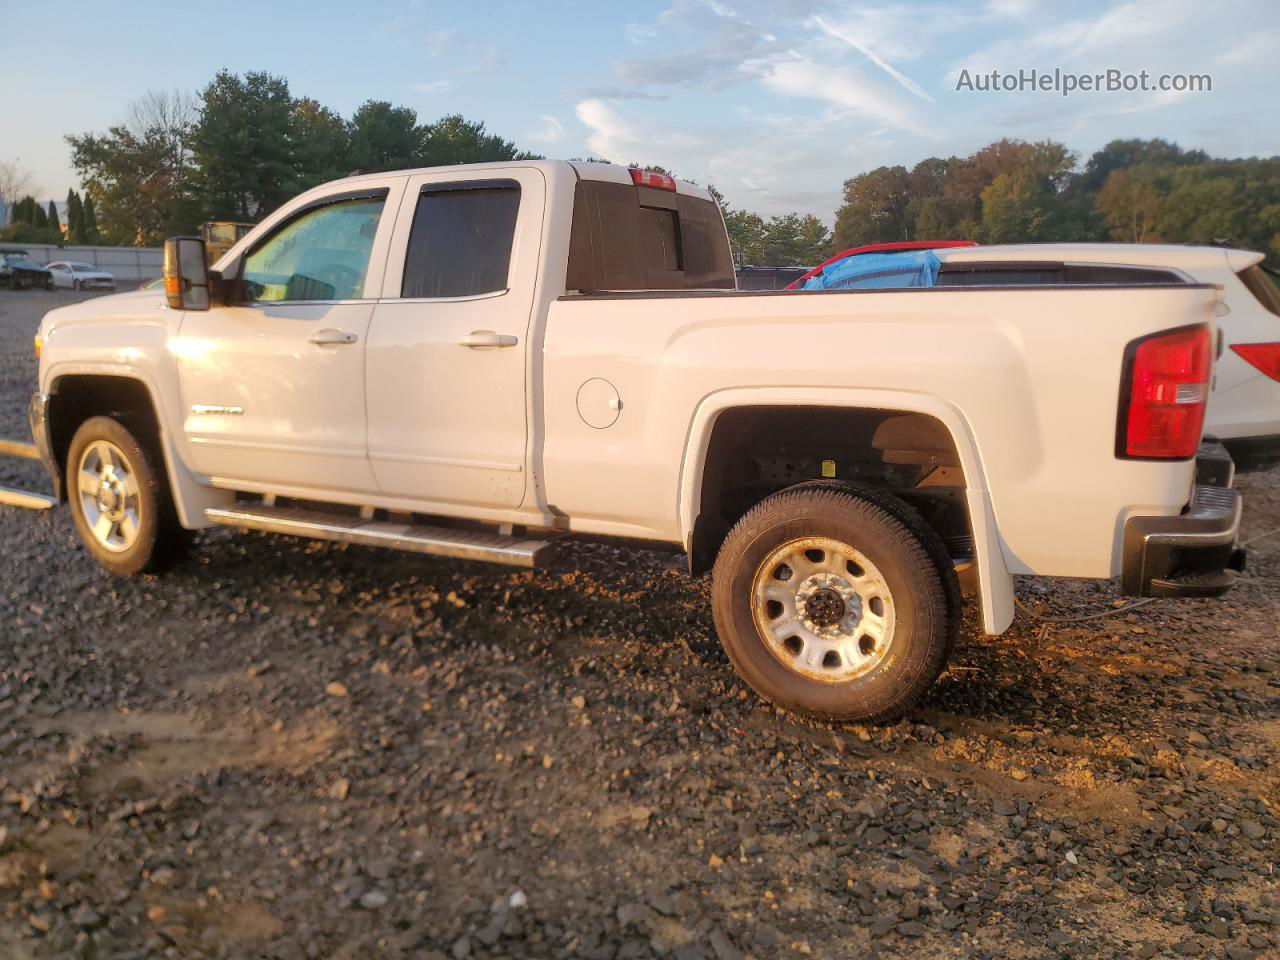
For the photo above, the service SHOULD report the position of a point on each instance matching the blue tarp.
(878, 271)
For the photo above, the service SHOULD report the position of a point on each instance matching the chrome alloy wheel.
(109, 496)
(823, 609)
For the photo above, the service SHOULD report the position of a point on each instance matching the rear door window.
(461, 240)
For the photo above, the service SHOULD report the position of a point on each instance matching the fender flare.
(995, 583)
(191, 497)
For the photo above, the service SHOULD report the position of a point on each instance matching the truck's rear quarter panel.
(1032, 374)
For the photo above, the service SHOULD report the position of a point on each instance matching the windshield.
(84, 268)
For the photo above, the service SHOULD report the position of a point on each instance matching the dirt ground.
(293, 750)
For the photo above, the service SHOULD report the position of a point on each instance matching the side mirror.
(186, 274)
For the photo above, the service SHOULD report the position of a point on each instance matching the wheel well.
(77, 398)
(756, 451)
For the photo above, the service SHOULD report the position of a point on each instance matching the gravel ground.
(295, 750)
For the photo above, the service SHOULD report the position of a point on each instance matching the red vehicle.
(900, 246)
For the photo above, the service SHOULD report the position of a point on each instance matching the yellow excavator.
(219, 236)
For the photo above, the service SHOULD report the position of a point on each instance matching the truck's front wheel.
(831, 605)
(119, 501)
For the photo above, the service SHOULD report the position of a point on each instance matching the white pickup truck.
(481, 361)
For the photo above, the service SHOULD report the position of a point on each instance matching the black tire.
(75, 285)
(880, 528)
(158, 538)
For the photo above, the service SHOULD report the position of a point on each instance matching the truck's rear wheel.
(831, 605)
(119, 502)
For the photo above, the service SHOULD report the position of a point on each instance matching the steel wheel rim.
(110, 498)
(823, 609)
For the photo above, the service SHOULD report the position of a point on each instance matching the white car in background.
(77, 275)
(1244, 407)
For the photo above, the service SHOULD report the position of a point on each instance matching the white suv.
(1244, 408)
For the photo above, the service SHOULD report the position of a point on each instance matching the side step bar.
(16, 448)
(13, 497)
(415, 538)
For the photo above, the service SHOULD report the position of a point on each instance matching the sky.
(775, 102)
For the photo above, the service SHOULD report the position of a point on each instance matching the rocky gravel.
(293, 750)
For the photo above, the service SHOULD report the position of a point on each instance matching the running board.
(13, 497)
(415, 538)
(17, 448)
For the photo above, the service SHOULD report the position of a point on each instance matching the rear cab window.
(633, 237)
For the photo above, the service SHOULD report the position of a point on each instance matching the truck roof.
(1148, 254)
(581, 169)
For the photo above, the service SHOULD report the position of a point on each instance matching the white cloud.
(903, 80)
(620, 93)
(1015, 9)
(641, 139)
(842, 87)
(551, 132)
(1125, 36)
(610, 136)
(436, 86)
(1256, 47)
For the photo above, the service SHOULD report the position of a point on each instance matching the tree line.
(1011, 191)
(243, 146)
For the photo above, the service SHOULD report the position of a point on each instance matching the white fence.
(129, 265)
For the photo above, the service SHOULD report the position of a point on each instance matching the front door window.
(321, 255)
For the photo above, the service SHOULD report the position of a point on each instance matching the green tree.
(20, 211)
(52, 214)
(1012, 209)
(792, 240)
(875, 208)
(90, 221)
(746, 237)
(1131, 201)
(242, 145)
(322, 144)
(454, 139)
(1119, 154)
(75, 218)
(384, 137)
(29, 223)
(140, 172)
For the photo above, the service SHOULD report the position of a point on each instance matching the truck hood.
(109, 309)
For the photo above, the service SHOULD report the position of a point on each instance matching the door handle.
(330, 337)
(487, 338)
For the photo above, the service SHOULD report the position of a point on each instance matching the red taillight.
(1264, 356)
(1167, 389)
(650, 178)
